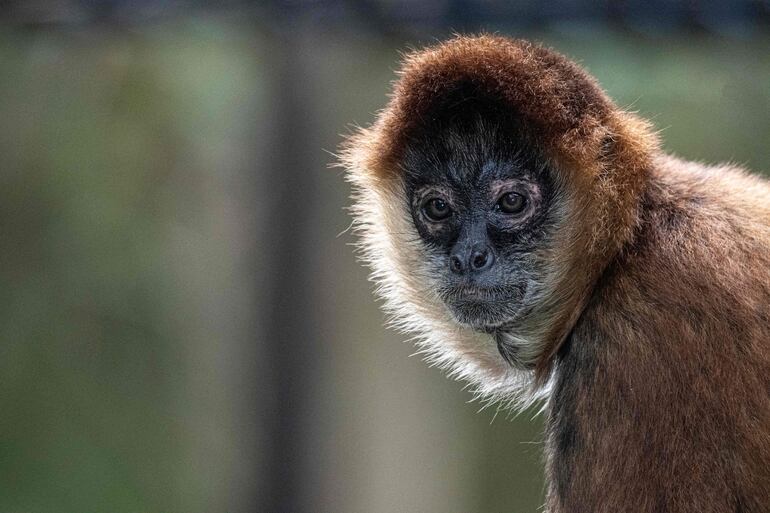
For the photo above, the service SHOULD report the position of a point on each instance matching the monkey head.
(489, 196)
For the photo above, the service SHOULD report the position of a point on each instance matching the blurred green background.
(184, 329)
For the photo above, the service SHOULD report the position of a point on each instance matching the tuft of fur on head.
(600, 155)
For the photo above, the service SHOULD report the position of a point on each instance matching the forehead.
(465, 152)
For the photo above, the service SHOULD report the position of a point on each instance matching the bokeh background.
(183, 325)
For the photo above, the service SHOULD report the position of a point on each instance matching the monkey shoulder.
(702, 242)
(671, 356)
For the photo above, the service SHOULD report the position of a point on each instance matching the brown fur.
(664, 386)
(658, 342)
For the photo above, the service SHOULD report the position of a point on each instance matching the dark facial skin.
(479, 195)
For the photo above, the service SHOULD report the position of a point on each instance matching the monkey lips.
(483, 308)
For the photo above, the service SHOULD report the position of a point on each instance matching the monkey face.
(479, 197)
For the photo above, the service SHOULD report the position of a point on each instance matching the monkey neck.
(592, 267)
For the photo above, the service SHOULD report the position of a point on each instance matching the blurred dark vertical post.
(289, 286)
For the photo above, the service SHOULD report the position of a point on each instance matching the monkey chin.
(494, 312)
(493, 318)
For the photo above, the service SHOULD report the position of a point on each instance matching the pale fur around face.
(407, 281)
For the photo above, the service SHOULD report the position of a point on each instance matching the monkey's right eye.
(436, 209)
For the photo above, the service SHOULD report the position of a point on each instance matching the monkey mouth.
(483, 309)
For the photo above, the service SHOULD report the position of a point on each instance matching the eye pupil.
(437, 209)
(512, 203)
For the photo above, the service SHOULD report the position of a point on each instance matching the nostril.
(455, 264)
(480, 259)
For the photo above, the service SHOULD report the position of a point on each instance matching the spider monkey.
(542, 247)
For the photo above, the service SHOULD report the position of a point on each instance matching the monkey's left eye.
(511, 203)
(436, 209)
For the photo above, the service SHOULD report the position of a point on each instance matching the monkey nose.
(455, 264)
(474, 260)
